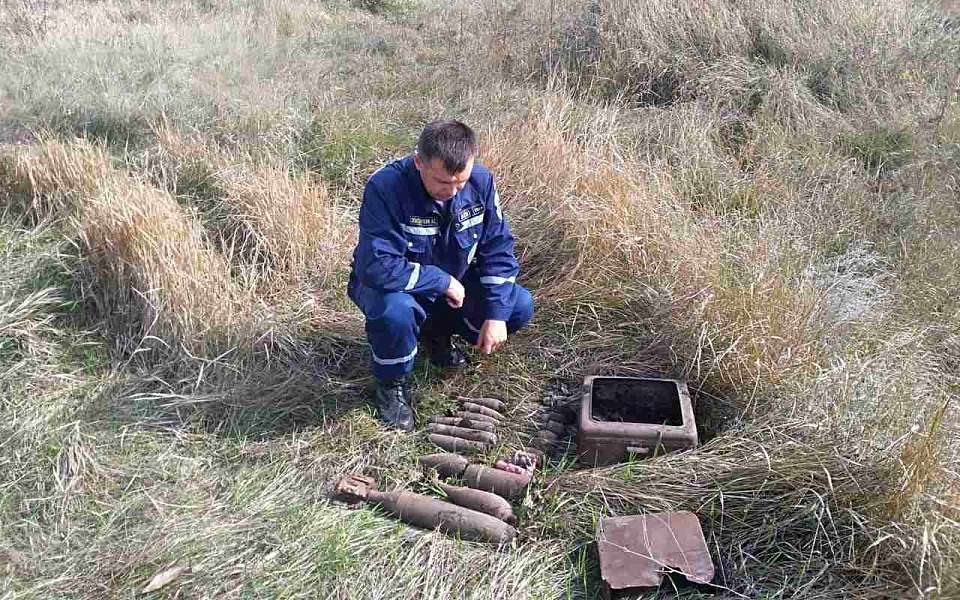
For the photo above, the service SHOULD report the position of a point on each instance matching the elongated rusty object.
(455, 444)
(475, 416)
(483, 410)
(446, 465)
(491, 403)
(429, 513)
(481, 501)
(462, 432)
(554, 427)
(508, 485)
(546, 436)
(461, 422)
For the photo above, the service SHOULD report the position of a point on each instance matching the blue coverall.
(409, 247)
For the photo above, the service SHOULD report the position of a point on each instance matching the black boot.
(393, 404)
(442, 352)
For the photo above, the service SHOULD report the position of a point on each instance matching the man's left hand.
(492, 335)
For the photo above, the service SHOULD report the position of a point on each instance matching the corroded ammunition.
(481, 501)
(483, 410)
(475, 416)
(446, 465)
(455, 444)
(463, 422)
(554, 427)
(464, 433)
(509, 467)
(508, 485)
(491, 403)
(429, 513)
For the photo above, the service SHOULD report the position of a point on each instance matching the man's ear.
(416, 161)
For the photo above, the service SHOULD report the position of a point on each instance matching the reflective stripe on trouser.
(394, 321)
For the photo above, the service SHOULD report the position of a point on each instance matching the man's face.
(440, 184)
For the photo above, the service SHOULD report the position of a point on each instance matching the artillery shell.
(483, 410)
(461, 422)
(491, 403)
(508, 485)
(462, 432)
(509, 467)
(447, 465)
(475, 416)
(455, 444)
(431, 513)
(481, 501)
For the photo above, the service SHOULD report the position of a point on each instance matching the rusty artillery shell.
(475, 416)
(463, 422)
(481, 501)
(491, 403)
(464, 433)
(455, 444)
(431, 513)
(499, 482)
(545, 436)
(509, 467)
(447, 465)
(554, 427)
(483, 410)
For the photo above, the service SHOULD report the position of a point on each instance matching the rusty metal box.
(640, 416)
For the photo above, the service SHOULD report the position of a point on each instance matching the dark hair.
(451, 141)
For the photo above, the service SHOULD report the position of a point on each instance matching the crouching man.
(434, 258)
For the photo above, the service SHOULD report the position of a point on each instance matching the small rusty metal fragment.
(446, 465)
(483, 410)
(491, 403)
(475, 416)
(637, 551)
(461, 422)
(464, 433)
(455, 444)
(481, 501)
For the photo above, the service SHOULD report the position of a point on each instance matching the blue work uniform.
(409, 247)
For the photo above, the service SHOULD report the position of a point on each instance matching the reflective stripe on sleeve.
(414, 277)
(420, 230)
(494, 280)
(393, 361)
(472, 253)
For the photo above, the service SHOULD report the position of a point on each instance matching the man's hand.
(492, 335)
(455, 293)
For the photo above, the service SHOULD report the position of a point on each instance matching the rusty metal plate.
(637, 551)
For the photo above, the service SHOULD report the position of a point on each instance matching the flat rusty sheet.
(637, 551)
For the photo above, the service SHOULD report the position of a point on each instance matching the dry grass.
(760, 197)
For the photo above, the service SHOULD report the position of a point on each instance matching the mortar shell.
(483, 410)
(463, 422)
(475, 416)
(446, 465)
(480, 501)
(491, 403)
(509, 467)
(455, 444)
(463, 432)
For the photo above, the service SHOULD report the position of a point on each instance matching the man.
(434, 257)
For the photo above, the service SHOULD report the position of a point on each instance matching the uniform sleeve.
(380, 260)
(496, 261)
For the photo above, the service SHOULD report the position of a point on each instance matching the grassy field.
(762, 197)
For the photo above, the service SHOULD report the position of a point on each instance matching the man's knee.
(396, 311)
(522, 309)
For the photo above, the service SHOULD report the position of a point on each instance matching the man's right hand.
(455, 293)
